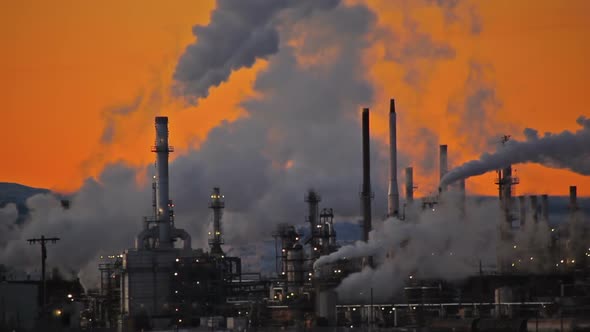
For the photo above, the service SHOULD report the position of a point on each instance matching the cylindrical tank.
(326, 300)
(295, 265)
(503, 295)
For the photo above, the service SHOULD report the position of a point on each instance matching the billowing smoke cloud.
(301, 132)
(567, 150)
(104, 216)
(239, 33)
(443, 243)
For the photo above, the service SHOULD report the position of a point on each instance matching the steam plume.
(567, 150)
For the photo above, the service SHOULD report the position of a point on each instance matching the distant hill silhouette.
(18, 194)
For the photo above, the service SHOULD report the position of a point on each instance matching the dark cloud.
(239, 33)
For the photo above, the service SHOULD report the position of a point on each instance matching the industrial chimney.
(162, 149)
(215, 239)
(366, 194)
(443, 163)
(573, 199)
(534, 208)
(409, 185)
(393, 193)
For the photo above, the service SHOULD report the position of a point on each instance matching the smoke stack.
(443, 163)
(217, 204)
(534, 207)
(162, 149)
(366, 195)
(393, 193)
(573, 199)
(545, 207)
(409, 185)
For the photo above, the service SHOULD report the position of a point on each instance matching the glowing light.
(514, 247)
(175, 273)
(177, 260)
(411, 277)
(69, 296)
(531, 257)
(57, 312)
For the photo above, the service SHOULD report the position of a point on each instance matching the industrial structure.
(164, 283)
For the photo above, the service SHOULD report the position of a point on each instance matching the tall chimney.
(366, 195)
(534, 208)
(573, 199)
(393, 193)
(409, 185)
(162, 149)
(215, 239)
(443, 163)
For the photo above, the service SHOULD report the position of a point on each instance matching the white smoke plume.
(301, 131)
(568, 150)
(439, 243)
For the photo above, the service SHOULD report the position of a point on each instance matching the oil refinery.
(163, 283)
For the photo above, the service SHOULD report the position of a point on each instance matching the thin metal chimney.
(573, 199)
(393, 193)
(534, 207)
(366, 194)
(409, 185)
(216, 239)
(443, 163)
(162, 149)
(313, 201)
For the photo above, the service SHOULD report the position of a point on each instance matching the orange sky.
(63, 63)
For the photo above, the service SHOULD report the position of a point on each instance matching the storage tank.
(295, 265)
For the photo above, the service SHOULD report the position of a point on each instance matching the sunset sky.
(81, 82)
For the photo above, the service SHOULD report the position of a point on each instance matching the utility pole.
(42, 241)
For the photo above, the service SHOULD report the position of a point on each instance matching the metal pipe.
(393, 193)
(162, 149)
(366, 194)
(443, 163)
(409, 185)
